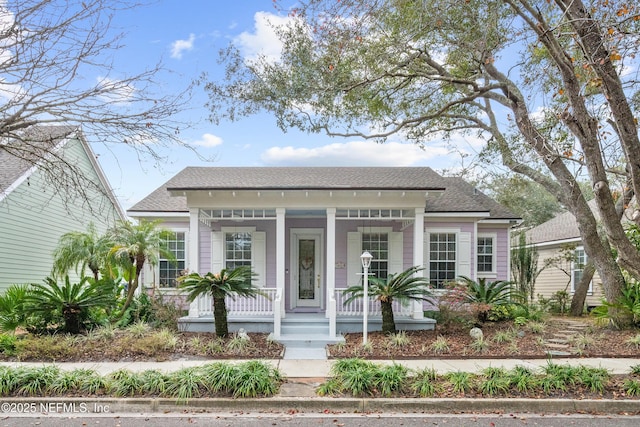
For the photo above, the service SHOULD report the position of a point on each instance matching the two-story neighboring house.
(34, 214)
(303, 229)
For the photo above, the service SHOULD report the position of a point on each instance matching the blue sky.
(186, 35)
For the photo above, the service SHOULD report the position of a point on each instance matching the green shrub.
(500, 313)
(482, 296)
(8, 344)
(12, 313)
(627, 305)
(67, 307)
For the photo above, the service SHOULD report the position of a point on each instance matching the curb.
(50, 406)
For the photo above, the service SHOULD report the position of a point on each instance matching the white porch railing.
(354, 308)
(240, 306)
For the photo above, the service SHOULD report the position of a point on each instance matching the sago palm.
(72, 301)
(486, 295)
(403, 287)
(238, 281)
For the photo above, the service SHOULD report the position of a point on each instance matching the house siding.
(553, 279)
(33, 218)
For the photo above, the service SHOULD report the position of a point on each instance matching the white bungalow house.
(303, 229)
(34, 214)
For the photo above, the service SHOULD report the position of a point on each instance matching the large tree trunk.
(220, 316)
(582, 288)
(565, 187)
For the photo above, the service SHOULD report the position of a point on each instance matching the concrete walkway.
(309, 368)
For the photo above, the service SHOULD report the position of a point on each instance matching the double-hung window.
(237, 249)
(171, 269)
(486, 254)
(232, 247)
(442, 258)
(377, 244)
(577, 269)
(383, 243)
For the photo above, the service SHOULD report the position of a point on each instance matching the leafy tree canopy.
(550, 85)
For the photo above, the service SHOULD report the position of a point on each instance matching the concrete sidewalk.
(306, 368)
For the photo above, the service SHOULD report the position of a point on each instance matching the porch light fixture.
(366, 258)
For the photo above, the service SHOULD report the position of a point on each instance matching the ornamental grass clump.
(185, 384)
(523, 379)
(390, 379)
(440, 345)
(461, 382)
(354, 376)
(123, 383)
(424, 382)
(36, 381)
(494, 381)
(255, 378)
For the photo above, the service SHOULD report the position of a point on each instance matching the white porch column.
(474, 248)
(418, 257)
(193, 254)
(331, 270)
(280, 255)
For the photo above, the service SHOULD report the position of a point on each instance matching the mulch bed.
(603, 343)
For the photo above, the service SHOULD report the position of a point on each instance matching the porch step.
(305, 324)
(304, 329)
(308, 340)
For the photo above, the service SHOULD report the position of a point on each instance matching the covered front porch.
(260, 315)
(305, 254)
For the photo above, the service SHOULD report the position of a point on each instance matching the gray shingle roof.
(561, 227)
(458, 196)
(282, 178)
(36, 140)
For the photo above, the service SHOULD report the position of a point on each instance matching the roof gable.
(41, 140)
(15, 168)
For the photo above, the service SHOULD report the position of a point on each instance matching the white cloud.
(263, 41)
(354, 153)
(208, 140)
(180, 46)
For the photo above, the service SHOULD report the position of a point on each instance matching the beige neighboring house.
(33, 215)
(557, 237)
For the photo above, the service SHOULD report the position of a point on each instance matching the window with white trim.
(237, 249)
(377, 244)
(442, 258)
(577, 269)
(170, 269)
(232, 247)
(486, 254)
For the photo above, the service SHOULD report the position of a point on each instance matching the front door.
(306, 262)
